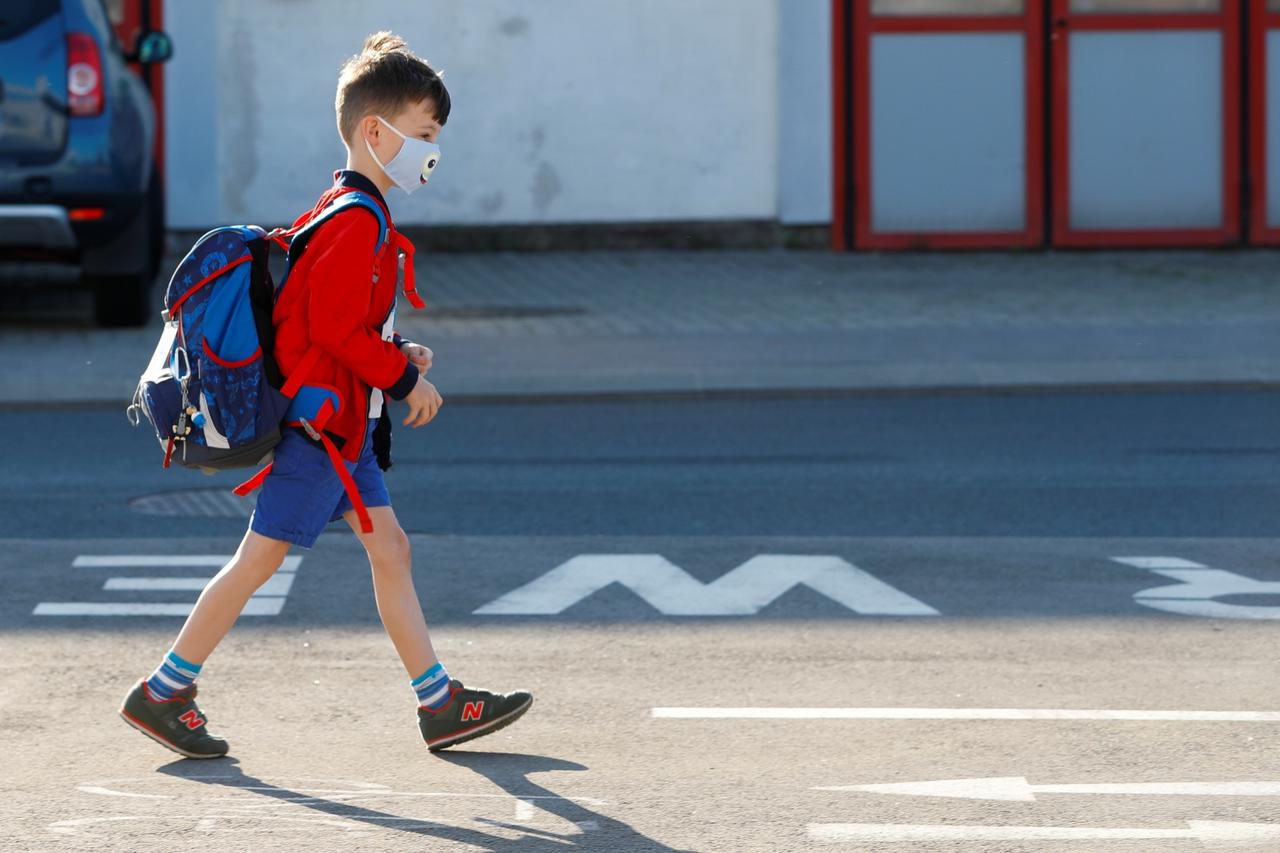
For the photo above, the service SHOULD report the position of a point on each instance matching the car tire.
(124, 300)
(155, 196)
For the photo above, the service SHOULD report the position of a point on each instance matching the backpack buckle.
(311, 431)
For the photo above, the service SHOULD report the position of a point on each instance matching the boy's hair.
(382, 80)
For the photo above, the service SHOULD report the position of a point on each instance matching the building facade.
(887, 124)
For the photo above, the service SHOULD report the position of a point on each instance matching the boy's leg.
(448, 713)
(226, 594)
(391, 562)
(162, 706)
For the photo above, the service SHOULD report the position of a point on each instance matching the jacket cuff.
(398, 339)
(405, 383)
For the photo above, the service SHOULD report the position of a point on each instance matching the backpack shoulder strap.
(342, 202)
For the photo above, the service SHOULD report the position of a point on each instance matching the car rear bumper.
(44, 226)
(62, 229)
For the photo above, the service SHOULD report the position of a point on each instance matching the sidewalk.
(569, 324)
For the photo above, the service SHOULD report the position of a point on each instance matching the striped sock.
(172, 675)
(432, 688)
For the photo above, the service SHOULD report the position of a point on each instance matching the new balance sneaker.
(177, 724)
(470, 714)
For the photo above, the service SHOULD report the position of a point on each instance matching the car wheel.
(124, 299)
(121, 301)
(156, 218)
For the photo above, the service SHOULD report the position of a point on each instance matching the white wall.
(563, 111)
(804, 111)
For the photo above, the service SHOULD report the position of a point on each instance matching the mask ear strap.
(391, 126)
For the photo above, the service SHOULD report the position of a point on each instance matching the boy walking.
(391, 106)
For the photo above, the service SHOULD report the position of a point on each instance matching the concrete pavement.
(332, 761)
(513, 325)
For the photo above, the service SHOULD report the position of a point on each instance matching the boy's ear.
(367, 128)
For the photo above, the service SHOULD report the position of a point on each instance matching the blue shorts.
(303, 493)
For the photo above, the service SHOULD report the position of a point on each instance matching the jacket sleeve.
(339, 289)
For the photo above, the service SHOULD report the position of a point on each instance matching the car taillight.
(84, 75)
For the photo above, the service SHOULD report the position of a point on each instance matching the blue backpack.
(213, 391)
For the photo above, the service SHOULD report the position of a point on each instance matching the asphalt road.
(938, 580)
(1203, 464)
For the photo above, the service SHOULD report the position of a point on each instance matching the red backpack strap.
(253, 482)
(402, 244)
(348, 484)
(316, 430)
(299, 373)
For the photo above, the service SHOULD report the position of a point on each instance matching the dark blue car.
(78, 179)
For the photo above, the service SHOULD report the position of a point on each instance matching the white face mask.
(411, 167)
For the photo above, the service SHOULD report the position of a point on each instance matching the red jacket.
(330, 299)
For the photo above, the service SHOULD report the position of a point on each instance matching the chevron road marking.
(674, 592)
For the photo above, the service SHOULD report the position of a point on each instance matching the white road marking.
(1198, 586)
(245, 805)
(1154, 563)
(673, 591)
(354, 790)
(1018, 789)
(69, 827)
(960, 714)
(107, 792)
(256, 606)
(269, 600)
(262, 605)
(102, 608)
(277, 584)
(140, 561)
(1205, 831)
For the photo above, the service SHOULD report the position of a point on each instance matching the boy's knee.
(259, 567)
(392, 550)
(261, 558)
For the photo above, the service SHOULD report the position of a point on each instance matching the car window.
(18, 16)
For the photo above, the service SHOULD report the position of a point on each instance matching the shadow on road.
(509, 771)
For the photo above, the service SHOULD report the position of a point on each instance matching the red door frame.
(127, 30)
(839, 123)
(1227, 22)
(865, 25)
(1260, 22)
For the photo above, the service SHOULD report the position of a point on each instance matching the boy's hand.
(424, 401)
(419, 356)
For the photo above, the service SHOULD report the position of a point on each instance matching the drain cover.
(195, 503)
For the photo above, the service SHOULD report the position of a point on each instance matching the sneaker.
(470, 714)
(177, 724)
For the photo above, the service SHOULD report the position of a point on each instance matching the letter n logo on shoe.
(192, 719)
(472, 711)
